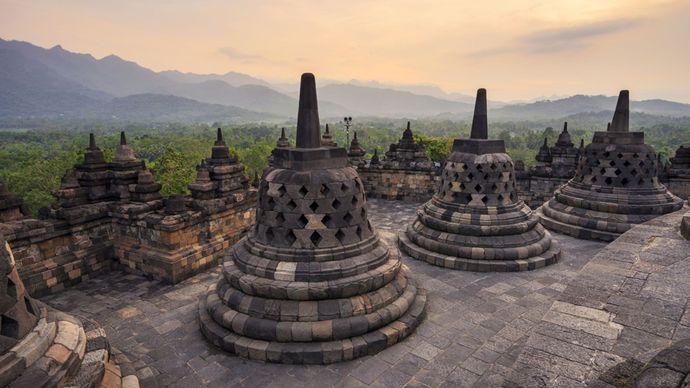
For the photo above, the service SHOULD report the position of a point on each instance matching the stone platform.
(482, 329)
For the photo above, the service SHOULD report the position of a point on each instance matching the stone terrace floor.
(561, 325)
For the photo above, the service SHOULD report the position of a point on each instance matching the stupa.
(43, 347)
(356, 152)
(221, 180)
(614, 188)
(327, 139)
(407, 153)
(312, 283)
(475, 221)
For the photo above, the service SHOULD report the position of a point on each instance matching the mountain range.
(47, 83)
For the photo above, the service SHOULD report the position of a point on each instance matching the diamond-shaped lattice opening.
(598, 162)
(302, 221)
(635, 155)
(303, 191)
(462, 186)
(608, 180)
(290, 237)
(348, 217)
(624, 181)
(363, 213)
(640, 182)
(324, 190)
(344, 187)
(315, 238)
(618, 171)
(271, 203)
(478, 188)
(340, 235)
(633, 172)
(464, 167)
(269, 234)
(282, 190)
(494, 187)
(626, 163)
(354, 201)
(602, 171)
(612, 163)
(29, 306)
(9, 327)
(336, 204)
(493, 166)
(314, 206)
(452, 165)
(359, 232)
(512, 196)
(620, 156)
(606, 154)
(326, 219)
(291, 205)
(485, 199)
(486, 177)
(357, 184)
(280, 219)
(11, 289)
(456, 176)
(470, 176)
(641, 164)
(500, 198)
(480, 167)
(594, 179)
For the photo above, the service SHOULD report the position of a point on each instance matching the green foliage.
(32, 161)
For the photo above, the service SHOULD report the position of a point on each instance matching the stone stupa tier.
(43, 347)
(312, 283)
(475, 221)
(614, 188)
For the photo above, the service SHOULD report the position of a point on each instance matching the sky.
(517, 49)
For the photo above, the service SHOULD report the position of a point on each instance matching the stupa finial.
(621, 118)
(92, 141)
(480, 126)
(219, 137)
(308, 132)
(123, 138)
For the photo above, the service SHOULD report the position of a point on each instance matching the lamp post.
(348, 123)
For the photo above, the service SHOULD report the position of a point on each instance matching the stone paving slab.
(480, 328)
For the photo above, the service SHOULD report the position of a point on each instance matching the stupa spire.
(123, 138)
(480, 126)
(621, 118)
(219, 137)
(308, 132)
(92, 142)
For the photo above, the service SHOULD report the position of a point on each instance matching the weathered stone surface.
(616, 186)
(312, 278)
(475, 221)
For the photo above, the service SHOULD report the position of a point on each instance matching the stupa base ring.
(325, 352)
(550, 256)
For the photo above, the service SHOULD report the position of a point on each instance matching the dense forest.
(32, 161)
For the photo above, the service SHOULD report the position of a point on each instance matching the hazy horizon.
(518, 50)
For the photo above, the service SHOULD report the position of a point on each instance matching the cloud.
(557, 39)
(573, 38)
(239, 56)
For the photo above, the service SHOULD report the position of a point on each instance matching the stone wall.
(53, 254)
(402, 185)
(111, 214)
(174, 247)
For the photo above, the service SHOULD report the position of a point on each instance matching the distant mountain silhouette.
(388, 102)
(46, 82)
(586, 104)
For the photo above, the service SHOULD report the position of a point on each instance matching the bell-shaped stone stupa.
(475, 221)
(312, 283)
(614, 188)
